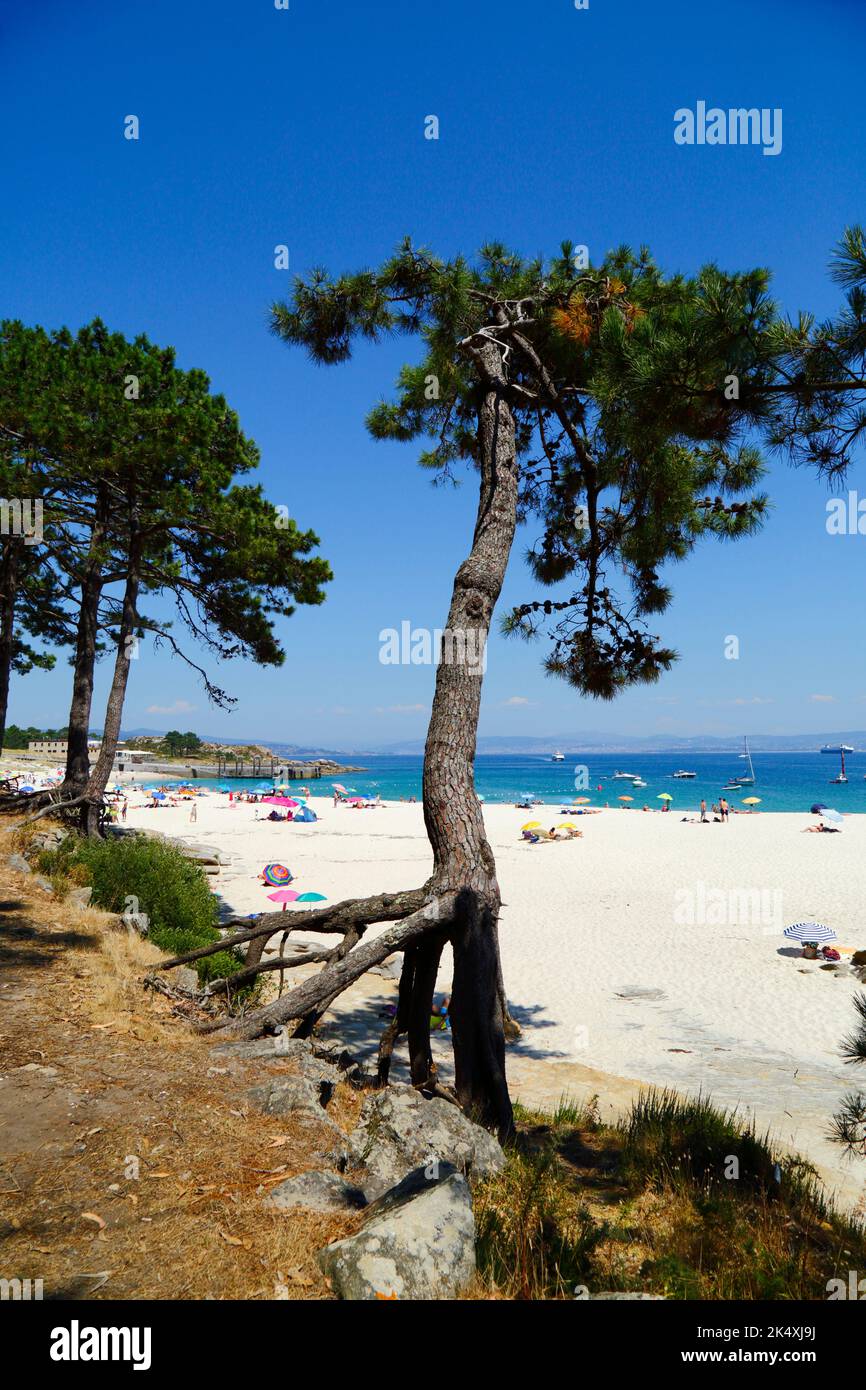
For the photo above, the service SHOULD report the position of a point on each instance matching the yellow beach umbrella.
(565, 825)
(626, 798)
(752, 801)
(664, 796)
(531, 825)
(582, 800)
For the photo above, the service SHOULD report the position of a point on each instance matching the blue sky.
(306, 127)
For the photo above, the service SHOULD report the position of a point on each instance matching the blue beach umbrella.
(828, 813)
(809, 931)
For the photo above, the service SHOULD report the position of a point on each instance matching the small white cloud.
(179, 707)
(401, 709)
(823, 699)
(514, 700)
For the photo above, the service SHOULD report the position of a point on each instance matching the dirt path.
(132, 1164)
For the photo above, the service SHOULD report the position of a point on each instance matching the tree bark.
(90, 810)
(9, 569)
(77, 760)
(462, 858)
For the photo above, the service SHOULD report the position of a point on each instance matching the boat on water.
(842, 777)
(626, 776)
(638, 783)
(681, 773)
(748, 780)
(837, 748)
(558, 757)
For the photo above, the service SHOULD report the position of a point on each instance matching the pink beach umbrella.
(284, 895)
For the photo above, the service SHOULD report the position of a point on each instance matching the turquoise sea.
(783, 781)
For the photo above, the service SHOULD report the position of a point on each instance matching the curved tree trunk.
(77, 759)
(463, 859)
(9, 567)
(90, 810)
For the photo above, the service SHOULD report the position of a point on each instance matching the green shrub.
(170, 889)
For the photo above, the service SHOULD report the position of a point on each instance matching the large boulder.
(422, 1247)
(317, 1192)
(399, 1130)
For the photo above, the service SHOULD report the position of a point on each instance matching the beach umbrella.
(275, 874)
(338, 787)
(809, 931)
(531, 825)
(829, 813)
(664, 796)
(283, 895)
(626, 798)
(818, 808)
(312, 898)
(158, 796)
(565, 825)
(581, 800)
(751, 801)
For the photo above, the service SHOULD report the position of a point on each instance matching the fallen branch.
(278, 963)
(336, 977)
(363, 912)
(51, 806)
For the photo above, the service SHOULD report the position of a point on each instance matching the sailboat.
(748, 781)
(841, 749)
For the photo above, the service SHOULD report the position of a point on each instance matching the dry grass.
(138, 1169)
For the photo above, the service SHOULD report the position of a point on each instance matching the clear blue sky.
(261, 126)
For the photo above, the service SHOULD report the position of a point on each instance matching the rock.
(399, 1131)
(187, 978)
(81, 896)
(630, 1297)
(19, 864)
(283, 1095)
(138, 922)
(423, 1248)
(316, 1192)
(275, 1045)
(44, 883)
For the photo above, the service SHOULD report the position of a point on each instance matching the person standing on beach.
(123, 812)
(723, 809)
(703, 809)
(193, 814)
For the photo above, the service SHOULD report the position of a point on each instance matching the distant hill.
(574, 743)
(653, 743)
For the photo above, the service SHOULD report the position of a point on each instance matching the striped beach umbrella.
(276, 874)
(809, 931)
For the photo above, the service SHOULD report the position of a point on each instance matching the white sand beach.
(650, 950)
